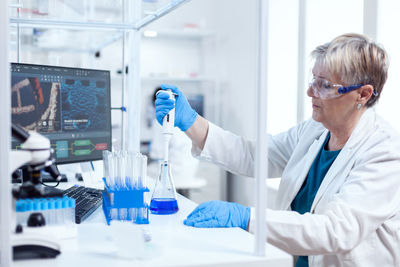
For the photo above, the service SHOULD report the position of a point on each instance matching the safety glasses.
(324, 89)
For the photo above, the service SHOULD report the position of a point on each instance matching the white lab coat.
(355, 217)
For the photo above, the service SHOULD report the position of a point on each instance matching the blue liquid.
(163, 205)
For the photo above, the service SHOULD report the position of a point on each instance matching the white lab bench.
(172, 244)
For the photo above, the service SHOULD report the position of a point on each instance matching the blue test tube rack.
(125, 198)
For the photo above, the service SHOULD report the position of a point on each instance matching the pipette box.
(128, 203)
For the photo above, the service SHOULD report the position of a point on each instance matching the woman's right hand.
(185, 115)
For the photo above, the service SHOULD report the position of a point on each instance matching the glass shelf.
(36, 39)
(98, 34)
(176, 33)
(46, 26)
(101, 11)
(149, 7)
(105, 14)
(177, 79)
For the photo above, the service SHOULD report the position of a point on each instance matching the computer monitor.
(196, 101)
(70, 106)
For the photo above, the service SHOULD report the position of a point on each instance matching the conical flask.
(163, 200)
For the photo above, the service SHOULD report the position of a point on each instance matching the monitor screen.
(70, 106)
(197, 103)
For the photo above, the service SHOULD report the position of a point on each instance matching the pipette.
(168, 125)
(163, 200)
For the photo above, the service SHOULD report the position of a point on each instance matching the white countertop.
(172, 244)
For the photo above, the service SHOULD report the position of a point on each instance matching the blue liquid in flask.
(163, 206)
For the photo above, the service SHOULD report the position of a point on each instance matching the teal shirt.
(305, 197)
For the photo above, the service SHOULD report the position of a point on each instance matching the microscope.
(34, 156)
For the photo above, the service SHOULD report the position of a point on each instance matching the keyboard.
(87, 201)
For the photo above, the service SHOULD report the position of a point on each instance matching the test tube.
(117, 172)
(58, 211)
(44, 209)
(71, 212)
(123, 168)
(116, 169)
(51, 212)
(137, 170)
(35, 206)
(28, 210)
(143, 214)
(113, 174)
(106, 170)
(143, 172)
(123, 214)
(114, 214)
(111, 170)
(65, 209)
(20, 209)
(129, 170)
(132, 214)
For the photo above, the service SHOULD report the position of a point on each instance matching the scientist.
(339, 197)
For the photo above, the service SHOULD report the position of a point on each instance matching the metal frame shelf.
(130, 40)
(132, 81)
(70, 24)
(49, 23)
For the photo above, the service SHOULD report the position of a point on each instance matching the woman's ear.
(365, 93)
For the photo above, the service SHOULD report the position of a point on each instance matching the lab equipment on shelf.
(125, 187)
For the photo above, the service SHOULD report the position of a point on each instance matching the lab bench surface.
(172, 244)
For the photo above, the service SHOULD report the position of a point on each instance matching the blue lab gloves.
(185, 116)
(219, 214)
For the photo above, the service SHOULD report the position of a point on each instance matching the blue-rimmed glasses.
(325, 89)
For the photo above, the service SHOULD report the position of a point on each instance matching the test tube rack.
(125, 199)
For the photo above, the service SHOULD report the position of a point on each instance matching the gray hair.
(356, 59)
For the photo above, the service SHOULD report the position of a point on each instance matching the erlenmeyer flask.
(163, 200)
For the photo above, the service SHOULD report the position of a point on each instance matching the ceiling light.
(150, 34)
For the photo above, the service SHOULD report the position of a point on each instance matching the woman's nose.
(310, 91)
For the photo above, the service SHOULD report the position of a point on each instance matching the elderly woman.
(339, 198)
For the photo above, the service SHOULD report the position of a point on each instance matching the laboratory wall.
(388, 19)
(237, 30)
(208, 48)
(238, 58)
(232, 61)
(286, 96)
(323, 24)
(224, 61)
(229, 56)
(181, 49)
(323, 20)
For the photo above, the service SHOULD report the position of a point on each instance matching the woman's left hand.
(219, 214)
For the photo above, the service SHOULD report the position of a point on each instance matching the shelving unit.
(177, 79)
(5, 104)
(121, 29)
(129, 34)
(173, 33)
(130, 37)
